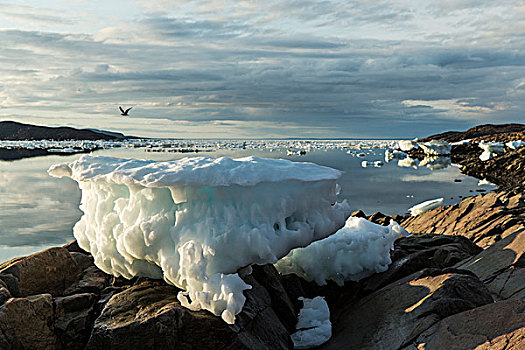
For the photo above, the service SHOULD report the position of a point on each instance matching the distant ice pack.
(196, 221)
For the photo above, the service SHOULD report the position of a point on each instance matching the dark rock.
(83, 260)
(50, 271)
(149, 316)
(498, 325)
(27, 323)
(5, 295)
(74, 247)
(358, 214)
(92, 280)
(397, 314)
(414, 253)
(379, 218)
(75, 316)
(268, 277)
(490, 130)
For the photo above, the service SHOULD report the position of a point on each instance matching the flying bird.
(124, 112)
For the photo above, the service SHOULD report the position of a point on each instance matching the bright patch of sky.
(287, 68)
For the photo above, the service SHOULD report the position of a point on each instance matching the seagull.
(124, 112)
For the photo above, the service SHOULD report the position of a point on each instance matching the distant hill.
(10, 130)
(479, 131)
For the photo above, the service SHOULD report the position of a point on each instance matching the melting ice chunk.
(358, 250)
(425, 206)
(196, 221)
(313, 326)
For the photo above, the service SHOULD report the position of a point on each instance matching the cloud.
(328, 69)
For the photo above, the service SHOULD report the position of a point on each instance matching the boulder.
(485, 218)
(75, 315)
(50, 271)
(149, 316)
(27, 323)
(395, 315)
(500, 325)
(415, 253)
(92, 280)
(501, 267)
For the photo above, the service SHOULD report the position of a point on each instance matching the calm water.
(38, 211)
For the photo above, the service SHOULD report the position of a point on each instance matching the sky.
(263, 68)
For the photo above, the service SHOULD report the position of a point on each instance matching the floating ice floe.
(313, 325)
(485, 182)
(515, 144)
(196, 221)
(358, 250)
(459, 143)
(407, 145)
(425, 206)
(375, 163)
(435, 147)
(490, 149)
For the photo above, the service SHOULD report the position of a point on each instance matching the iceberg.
(358, 250)
(515, 144)
(313, 325)
(393, 154)
(425, 206)
(196, 221)
(407, 145)
(436, 147)
(490, 149)
(435, 162)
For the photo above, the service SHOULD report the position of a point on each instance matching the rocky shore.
(457, 283)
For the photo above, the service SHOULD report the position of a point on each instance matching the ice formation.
(196, 221)
(490, 149)
(515, 144)
(459, 143)
(358, 250)
(435, 162)
(407, 145)
(425, 206)
(436, 147)
(313, 325)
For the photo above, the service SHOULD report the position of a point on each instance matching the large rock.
(415, 253)
(149, 316)
(395, 315)
(92, 280)
(50, 271)
(502, 267)
(499, 325)
(74, 318)
(485, 218)
(27, 323)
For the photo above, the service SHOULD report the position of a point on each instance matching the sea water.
(39, 211)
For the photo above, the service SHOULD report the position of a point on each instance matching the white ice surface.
(393, 154)
(313, 325)
(436, 147)
(490, 149)
(515, 144)
(358, 250)
(407, 145)
(196, 221)
(425, 206)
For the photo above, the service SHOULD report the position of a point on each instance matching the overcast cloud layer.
(286, 68)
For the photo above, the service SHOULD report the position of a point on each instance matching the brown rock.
(485, 218)
(395, 315)
(499, 325)
(149, 316)
(501, 266)
(92, 280)
(50, 271)
(75, 316)
(27, 323)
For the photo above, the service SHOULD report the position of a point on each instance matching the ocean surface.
(38, 211)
